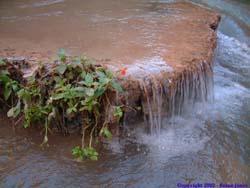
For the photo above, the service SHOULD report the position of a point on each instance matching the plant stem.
(92, 131)
(83, 135)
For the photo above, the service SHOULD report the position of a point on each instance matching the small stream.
(210, 144)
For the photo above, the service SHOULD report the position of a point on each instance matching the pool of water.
(210, 145)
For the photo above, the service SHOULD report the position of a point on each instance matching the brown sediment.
(168, 58)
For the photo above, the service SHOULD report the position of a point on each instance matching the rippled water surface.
(85, 26)
(212, 144)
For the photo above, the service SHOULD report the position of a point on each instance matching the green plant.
(105, 131)
(7, 83)
(85, 153)
(118, 112)
(74, 88)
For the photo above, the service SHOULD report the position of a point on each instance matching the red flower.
(123, 71)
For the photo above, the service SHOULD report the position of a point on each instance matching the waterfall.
(165, 98)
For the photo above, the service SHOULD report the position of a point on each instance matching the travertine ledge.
(164, 54)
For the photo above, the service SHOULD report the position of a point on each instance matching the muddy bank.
(166, 48)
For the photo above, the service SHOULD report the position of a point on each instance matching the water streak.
(167, 98)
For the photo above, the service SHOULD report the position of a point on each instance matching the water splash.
(185, 136)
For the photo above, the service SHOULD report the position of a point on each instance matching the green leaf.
(116, 86)
(79, 89)
(11, 112)
(85, 153)
(80, 94)
(89, 79)
(106, 132)
(99, 91)
(58, 96)
(57, 79)
(31, 80)
(2, 63)
(84, 58)
(69, 111)
(88, 104)
(104, 81)
(118, 112)
(15, 86)
(109, 74)
(94, 158)
(77, 60)
(101, 74)
(61, 68)
(90, 92)
(76, 151)
(25, 95)
(14, 112)
(82, 83)
(91, 153)
(62, 54)
(83, 74)
(4, 78)
(5, 72)
(7, 92)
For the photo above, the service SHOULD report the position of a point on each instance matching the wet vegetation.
(69, 90)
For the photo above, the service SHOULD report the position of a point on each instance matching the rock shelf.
(167, 50)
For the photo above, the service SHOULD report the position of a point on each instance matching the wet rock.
(19, 62)
(166, 48)
(15, 60)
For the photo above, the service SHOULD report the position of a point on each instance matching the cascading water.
(169, 98)
(153, 105)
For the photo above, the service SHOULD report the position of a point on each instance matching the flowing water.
(192, 90)
(208, 144)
